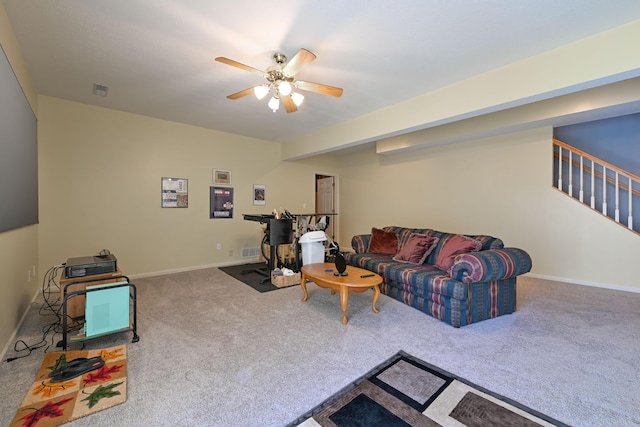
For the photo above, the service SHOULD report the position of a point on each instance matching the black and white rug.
(406, 391)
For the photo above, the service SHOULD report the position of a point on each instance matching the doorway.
(326, 201)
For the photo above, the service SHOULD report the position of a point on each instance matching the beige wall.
(18, 248)
(602, 58)
(100, 178)
(499, 186)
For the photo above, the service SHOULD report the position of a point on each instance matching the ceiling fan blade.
(319, 88)
(302, 58)
(241, 93)
(239, 65)
(289, 105)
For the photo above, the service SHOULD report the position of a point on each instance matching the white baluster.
(604, 190)
(593, 184)
(630, 218)
(559, 168)
(570, 191)
(581, 179)
(617, 211)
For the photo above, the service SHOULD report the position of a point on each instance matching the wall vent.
(100, 90)
(249, 252)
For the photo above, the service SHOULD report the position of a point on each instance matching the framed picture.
(222, 176)
(175, 193)
(221, 202)
(259, 194)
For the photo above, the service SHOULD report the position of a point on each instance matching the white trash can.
(312, 247)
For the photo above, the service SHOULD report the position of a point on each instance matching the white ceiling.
(157, 56)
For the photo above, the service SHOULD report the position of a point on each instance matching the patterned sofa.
(457, 286)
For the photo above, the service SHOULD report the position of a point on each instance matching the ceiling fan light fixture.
(281, 81)
(261, 91)
(284, 88)
(297, 98)
(274, 104)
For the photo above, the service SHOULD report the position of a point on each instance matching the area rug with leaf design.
(406, 391)
(51, 403)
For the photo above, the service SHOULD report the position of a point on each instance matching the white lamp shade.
(284, 88)
(261, 91)
(297, 98)
(274, 104)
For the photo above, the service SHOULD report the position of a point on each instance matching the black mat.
(252, 279)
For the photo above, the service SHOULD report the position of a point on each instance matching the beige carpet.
(50, 404)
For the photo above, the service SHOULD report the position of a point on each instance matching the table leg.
(344, 301)
(303, 285)
(376, 294)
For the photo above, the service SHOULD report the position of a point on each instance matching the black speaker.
(341, 265)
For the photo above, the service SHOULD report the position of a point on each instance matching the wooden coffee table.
(353, 282)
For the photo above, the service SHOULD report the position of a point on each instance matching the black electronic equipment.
(279, 231)
(259, 218)
(341, 265)
(91, 265)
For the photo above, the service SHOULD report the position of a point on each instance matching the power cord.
(50, 306)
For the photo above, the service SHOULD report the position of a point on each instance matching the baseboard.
(584, 283)
(193, 268)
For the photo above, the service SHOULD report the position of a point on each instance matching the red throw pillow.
(455, 245)
(383, 242)
(417, 249)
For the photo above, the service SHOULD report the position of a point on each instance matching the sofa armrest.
(360, 243)
(493, 264)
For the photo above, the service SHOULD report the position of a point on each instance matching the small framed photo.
(222, 176)
(259, 194)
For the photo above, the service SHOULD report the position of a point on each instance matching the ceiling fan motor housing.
(280, 58)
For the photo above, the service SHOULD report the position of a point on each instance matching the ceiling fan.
(281, 81)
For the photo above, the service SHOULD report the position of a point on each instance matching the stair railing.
(574, 164)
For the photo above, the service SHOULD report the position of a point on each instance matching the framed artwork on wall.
(175, 192)
(222, 177)
(220, 202)
(259, 196)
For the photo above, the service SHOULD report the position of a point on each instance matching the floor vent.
(249, 252)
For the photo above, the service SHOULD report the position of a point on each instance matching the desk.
(75, 305)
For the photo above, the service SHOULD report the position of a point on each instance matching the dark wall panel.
(18, 153)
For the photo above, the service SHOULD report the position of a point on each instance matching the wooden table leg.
(303, 285)
(344, 301)
(376, 294)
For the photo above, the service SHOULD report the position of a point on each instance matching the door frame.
(336, 200)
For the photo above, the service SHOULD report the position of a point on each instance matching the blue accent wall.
(615, 140)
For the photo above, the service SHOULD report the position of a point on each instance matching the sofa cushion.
(417, 248)
(488, 242)
(360, 243)
(420, 279)
(403, 233)
(383, 242)
(372, 262)
(455, 244)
